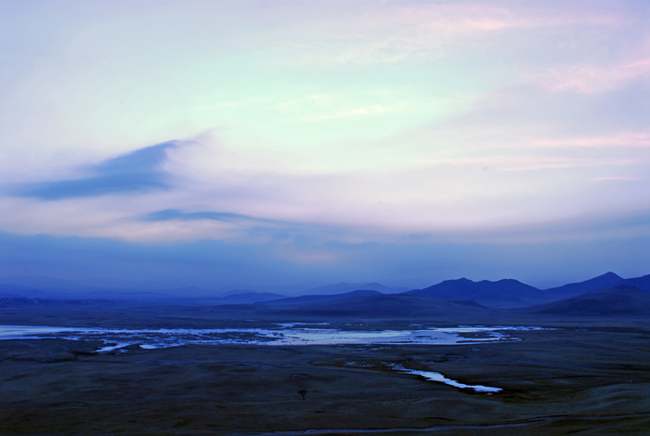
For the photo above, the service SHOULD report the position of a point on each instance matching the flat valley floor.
(583, 378)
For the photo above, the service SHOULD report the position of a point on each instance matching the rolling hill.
(344, 287)
(247, 298)
(310, 299)
(642, 282)
(506, 293)
(604, 281)
(502, 293)
(390, 306)
(621, 300)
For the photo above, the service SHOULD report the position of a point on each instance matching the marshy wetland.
(588, 377)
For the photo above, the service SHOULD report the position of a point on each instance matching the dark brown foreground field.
(586, 378)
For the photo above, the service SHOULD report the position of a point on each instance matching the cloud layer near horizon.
(306, 124)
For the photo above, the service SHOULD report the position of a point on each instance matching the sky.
(280, 143)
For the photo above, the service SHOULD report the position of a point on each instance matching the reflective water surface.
(281, 334)
(437, 377)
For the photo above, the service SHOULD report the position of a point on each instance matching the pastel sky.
(264, 143)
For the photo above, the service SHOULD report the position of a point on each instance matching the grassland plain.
(588, 377)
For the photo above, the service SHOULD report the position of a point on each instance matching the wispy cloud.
(619, 178)
(626, 139)
(588, 79)
(136, 172)
(399, 31)
(532, 162)
(358, 111)
(335, 125)
(175, 214)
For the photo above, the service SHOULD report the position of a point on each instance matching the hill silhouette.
(391, 306)
(607, 280)
(621, 300)
(309, 299)
(504, 293)
(642, 282)
(343, 287)
(247, 298)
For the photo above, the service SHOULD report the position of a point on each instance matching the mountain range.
(607, 294)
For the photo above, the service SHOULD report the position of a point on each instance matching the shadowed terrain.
(586, 373)
(620, 300)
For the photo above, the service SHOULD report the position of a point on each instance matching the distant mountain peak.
(610, 274)
(237, 292)
(460, 280)
(602, 281)
(343, 287)
(506, 292)
(315, 298)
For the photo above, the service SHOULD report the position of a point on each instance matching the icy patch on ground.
(284, 334)
(437, 377)
(119, 346)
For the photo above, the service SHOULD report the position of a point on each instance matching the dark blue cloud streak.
(175, 214)
(135, 172)
(277, 230)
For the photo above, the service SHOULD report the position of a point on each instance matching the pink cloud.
(628, 139)
(531, 163)
(394, 32)
(618, 178)
(589, 79)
